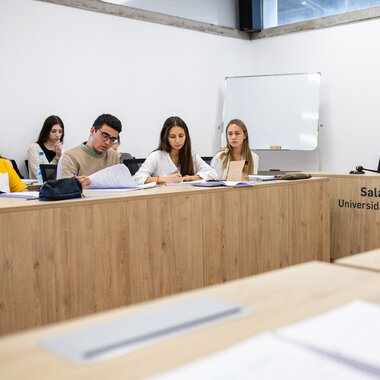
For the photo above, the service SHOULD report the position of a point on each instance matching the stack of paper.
(21, 194)
(223, 183)
(255, 177)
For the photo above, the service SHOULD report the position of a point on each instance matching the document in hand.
(113, 177)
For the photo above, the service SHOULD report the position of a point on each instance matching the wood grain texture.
(353, 230)
(71, 258)
(278, 298)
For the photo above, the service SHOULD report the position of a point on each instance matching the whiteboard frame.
(224, 122)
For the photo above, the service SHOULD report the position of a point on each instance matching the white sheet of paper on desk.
(117, 337)
(29, 181)
(87, 192)
(21, 194)
(184, 183)
(237, 183)
(263, 357)
(4, 183)
(351, 332)
(341, 344)
(113, 177)
(255, 177)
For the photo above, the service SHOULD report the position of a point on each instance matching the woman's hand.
(174, 178)
(58, 149)
(85, 181)
(188, 178)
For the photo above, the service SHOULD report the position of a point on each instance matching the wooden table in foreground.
(354, 213)
(367, 260)
(60, 260)
(279, 298)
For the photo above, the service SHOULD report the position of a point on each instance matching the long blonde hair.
(227, 153)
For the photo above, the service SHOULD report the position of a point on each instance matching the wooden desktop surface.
(279, 298)
(352, 229)
(60, 260)
(367, 260)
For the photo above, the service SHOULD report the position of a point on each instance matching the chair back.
(133, 164)
(207, 160)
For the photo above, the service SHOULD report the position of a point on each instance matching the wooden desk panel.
(353, 230)
(66, 259)
(279, 298)
(367, 260)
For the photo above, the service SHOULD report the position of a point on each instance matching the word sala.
(364, 192)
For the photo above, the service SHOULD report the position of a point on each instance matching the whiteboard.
(278, 110)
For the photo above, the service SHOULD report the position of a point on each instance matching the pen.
(75, 174)
(179, 168)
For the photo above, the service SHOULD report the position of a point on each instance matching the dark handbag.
(58, 189)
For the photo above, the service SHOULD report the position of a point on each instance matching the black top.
(50, 154)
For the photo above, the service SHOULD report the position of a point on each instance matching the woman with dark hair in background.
(173, 160)
(50, 143)
(237, 149)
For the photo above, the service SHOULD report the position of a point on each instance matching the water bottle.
(40, 161)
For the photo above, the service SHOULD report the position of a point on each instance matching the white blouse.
(217, 164)
(160, 164)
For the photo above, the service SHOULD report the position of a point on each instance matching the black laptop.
(48, 171)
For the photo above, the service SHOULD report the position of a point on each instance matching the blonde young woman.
(237, 149)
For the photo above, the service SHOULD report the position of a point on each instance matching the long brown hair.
(185, 156)
(227, 154)
(46, 128)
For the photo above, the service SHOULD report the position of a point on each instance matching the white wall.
(348, 57)
(78, 64)
(218, 12)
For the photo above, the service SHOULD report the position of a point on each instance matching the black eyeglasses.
(106, 137)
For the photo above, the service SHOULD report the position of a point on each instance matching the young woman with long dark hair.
(173, 160)
(50, 143)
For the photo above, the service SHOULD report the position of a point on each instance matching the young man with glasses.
(94, 154)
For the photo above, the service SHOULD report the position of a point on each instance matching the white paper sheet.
(4, 183)
(119, 191)
(342, 344)
(113, 177)
(255, 177)
(29, 181)
(263, 358)
(237, 183)
(223, 183)
(184, 183)
(21, 194)
(351, 332)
